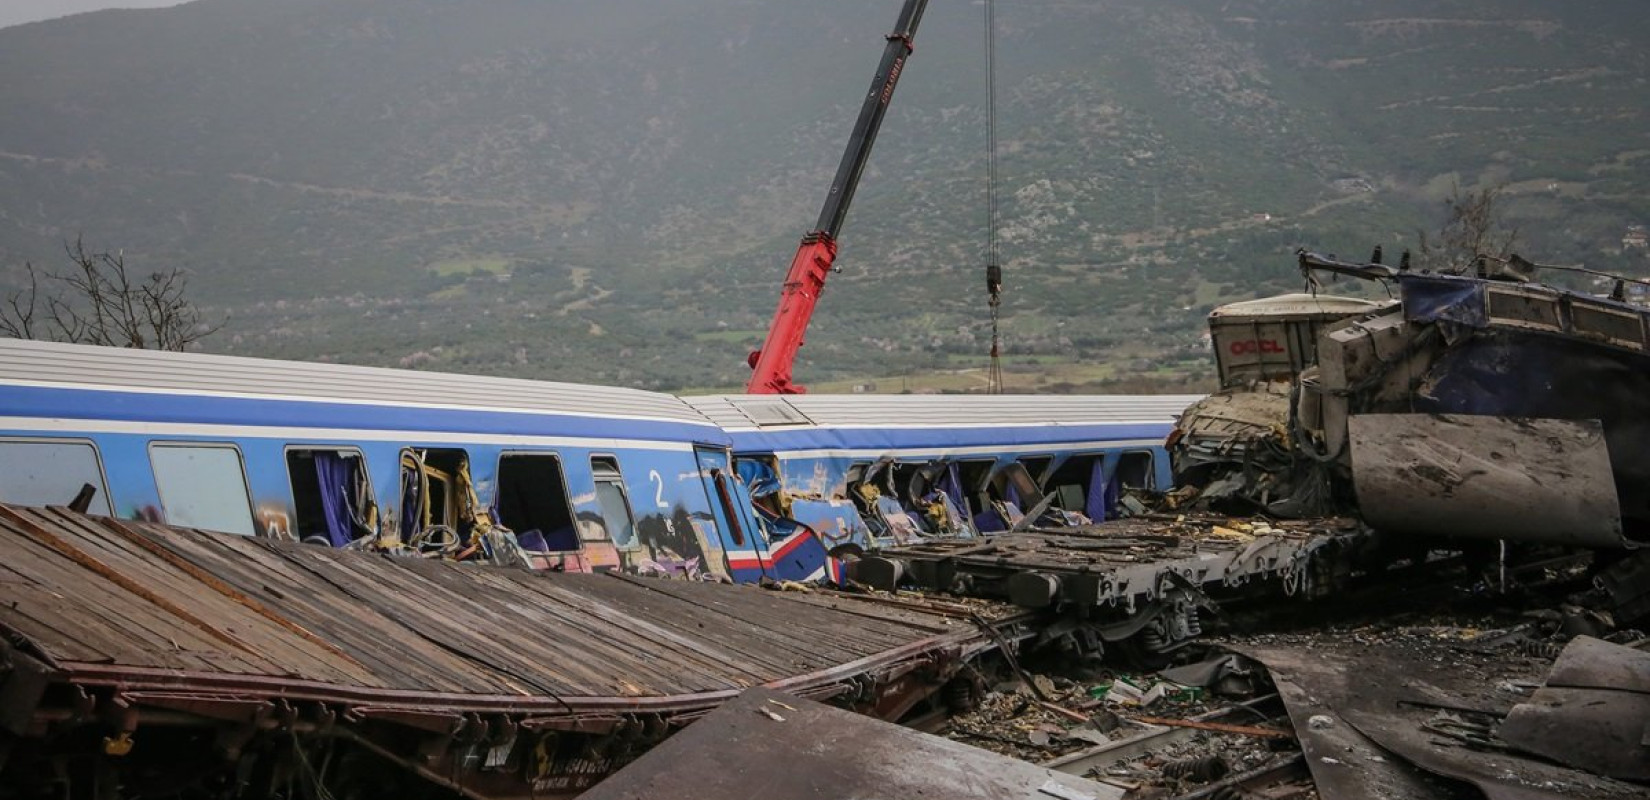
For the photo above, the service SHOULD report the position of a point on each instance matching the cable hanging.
(993, 266)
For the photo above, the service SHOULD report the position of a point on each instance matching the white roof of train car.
(753, 412)
(120, 369)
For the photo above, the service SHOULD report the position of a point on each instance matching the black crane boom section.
(870, 119)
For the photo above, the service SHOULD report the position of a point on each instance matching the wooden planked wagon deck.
(124, 621)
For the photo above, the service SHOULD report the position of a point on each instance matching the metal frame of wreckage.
(1121, 579)
(57, 702)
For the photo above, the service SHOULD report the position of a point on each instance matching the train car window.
(614, 501)
(203, 486)
(1134, 471)
(438, 505)
(532, 501)
(725, 496)
(1037, 466)
(761, 477)
(1073, 481)
(900, 477)
(48, 473)
(974, 474)
(331, 495)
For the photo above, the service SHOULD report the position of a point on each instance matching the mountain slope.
(610, 190)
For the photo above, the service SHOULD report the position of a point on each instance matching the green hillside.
(610, 190)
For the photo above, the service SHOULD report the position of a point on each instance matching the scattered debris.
(827, 752)
(1386, 717)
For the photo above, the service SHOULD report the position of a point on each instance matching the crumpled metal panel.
(1517, 374)
(1532, 480)
(1597, 730)
(1593, 714)
(1589, 663)
(1365, 713)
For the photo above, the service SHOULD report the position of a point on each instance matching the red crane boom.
(771, 365)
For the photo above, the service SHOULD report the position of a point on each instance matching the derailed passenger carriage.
(1034, 500)
(864, 471)
(546, 475)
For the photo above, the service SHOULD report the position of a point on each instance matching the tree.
(98, 302)
(1474, 229)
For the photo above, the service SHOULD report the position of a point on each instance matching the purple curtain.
(1095, 505)
(1012, 495)
(989, 521)
(951, 486)
(337, 478)
(1105, 484)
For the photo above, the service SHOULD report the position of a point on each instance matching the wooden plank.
(798, 626)
(267, 646)
(696, 662)
(222, 588)
(392, 656)
(126, 632)
(42, 535)
(388, 592)
(786, 638)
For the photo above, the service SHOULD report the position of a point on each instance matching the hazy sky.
(17, 12)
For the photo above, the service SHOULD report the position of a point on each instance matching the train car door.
(744, 547)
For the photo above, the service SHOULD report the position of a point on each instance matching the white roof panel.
(120, 369)
(736, 412)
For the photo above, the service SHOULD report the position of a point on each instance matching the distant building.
(864, 388)
(1635, 237)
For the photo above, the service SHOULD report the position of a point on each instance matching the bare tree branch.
(98, 302)
(17, 318)
(1473, 230)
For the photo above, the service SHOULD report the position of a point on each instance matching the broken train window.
(331, 495)
(877, 490)
(439, 511)
(1008, 495)
(1092, 484)
(614, 501)
(532, 500)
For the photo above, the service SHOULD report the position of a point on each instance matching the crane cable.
(993, 268)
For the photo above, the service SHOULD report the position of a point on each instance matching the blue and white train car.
(588, 477)
(870, 469)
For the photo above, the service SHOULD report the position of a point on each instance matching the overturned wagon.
(141, 660)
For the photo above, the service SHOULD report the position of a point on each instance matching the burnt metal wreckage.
(1480, 405)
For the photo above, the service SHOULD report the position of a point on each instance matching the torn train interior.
(1483, 405)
